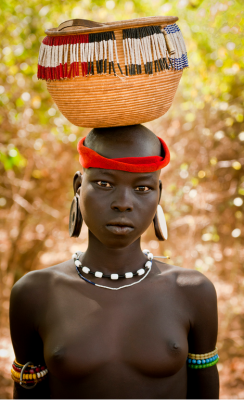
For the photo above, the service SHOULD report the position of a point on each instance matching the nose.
(123, 200)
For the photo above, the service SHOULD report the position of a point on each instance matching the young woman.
(126, 343)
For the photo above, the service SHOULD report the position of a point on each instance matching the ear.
(77, 181)
(160, 190)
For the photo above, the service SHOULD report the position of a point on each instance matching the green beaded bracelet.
(196, 366)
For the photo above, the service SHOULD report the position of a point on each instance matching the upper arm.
(204, 316)
(202, 338)
(25, 305)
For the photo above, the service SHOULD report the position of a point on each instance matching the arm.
(25, 302)
(202, 383)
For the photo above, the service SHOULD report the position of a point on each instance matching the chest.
(83, 334)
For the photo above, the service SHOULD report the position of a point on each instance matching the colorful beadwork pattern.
(32, 374)
(147, 266)
(180, 61)
(199, 361)
(155, 48)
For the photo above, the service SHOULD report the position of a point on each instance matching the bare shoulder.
(35, 285)
(196, 284)
(191, 283)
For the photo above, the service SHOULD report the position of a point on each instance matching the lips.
(120, 227)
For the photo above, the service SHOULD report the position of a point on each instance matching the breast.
(146, 343)
(156, 347)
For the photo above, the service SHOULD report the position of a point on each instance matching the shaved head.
(124, 141)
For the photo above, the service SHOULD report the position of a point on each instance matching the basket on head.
(113, 74)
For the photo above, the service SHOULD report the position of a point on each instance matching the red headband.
(90, 159)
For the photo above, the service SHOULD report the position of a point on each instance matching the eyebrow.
(140, 177)
(145, 176)
(106, 172)
(112, 173)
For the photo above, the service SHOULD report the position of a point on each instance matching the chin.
(118, 244)
(115, 241)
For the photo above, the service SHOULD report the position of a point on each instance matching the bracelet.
(28, 373)
(199, 361)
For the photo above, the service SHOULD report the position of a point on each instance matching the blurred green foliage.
(204, 183)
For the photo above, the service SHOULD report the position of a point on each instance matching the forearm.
(203, 383)
(40, 391)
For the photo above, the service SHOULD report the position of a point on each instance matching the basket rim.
(129, 23)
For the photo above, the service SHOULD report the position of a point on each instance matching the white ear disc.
(162, 222)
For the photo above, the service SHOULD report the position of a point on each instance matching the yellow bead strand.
(203, 356)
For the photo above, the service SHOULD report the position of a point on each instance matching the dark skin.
(131, 343)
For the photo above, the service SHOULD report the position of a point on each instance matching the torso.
(130, 343)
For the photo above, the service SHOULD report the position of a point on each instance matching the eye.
(142, 189)
(104, 184)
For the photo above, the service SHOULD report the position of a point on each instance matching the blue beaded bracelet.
(204, 363)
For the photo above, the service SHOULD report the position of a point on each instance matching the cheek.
(90, 205)
(145, 210)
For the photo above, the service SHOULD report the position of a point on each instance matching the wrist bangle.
(28, 374)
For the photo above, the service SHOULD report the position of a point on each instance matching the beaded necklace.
(142, 271)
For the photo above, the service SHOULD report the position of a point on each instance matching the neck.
(108, 260)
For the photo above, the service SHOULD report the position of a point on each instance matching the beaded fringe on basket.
(157, 49)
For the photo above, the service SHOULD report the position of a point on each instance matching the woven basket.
(105, 100)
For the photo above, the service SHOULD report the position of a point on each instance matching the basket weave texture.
(108, 100)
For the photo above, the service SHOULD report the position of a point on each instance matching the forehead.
(112, 147)
(121, 176)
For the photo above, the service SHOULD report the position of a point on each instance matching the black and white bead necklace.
(140, 272)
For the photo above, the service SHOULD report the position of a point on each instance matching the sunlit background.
(203, 185)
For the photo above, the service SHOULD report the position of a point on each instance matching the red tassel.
(71, 65)
(70, 70)
(57, 66)
(61, 75)
(61, 71)
(77, 62)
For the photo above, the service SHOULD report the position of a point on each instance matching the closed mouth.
(119, 227)
(123, 224)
